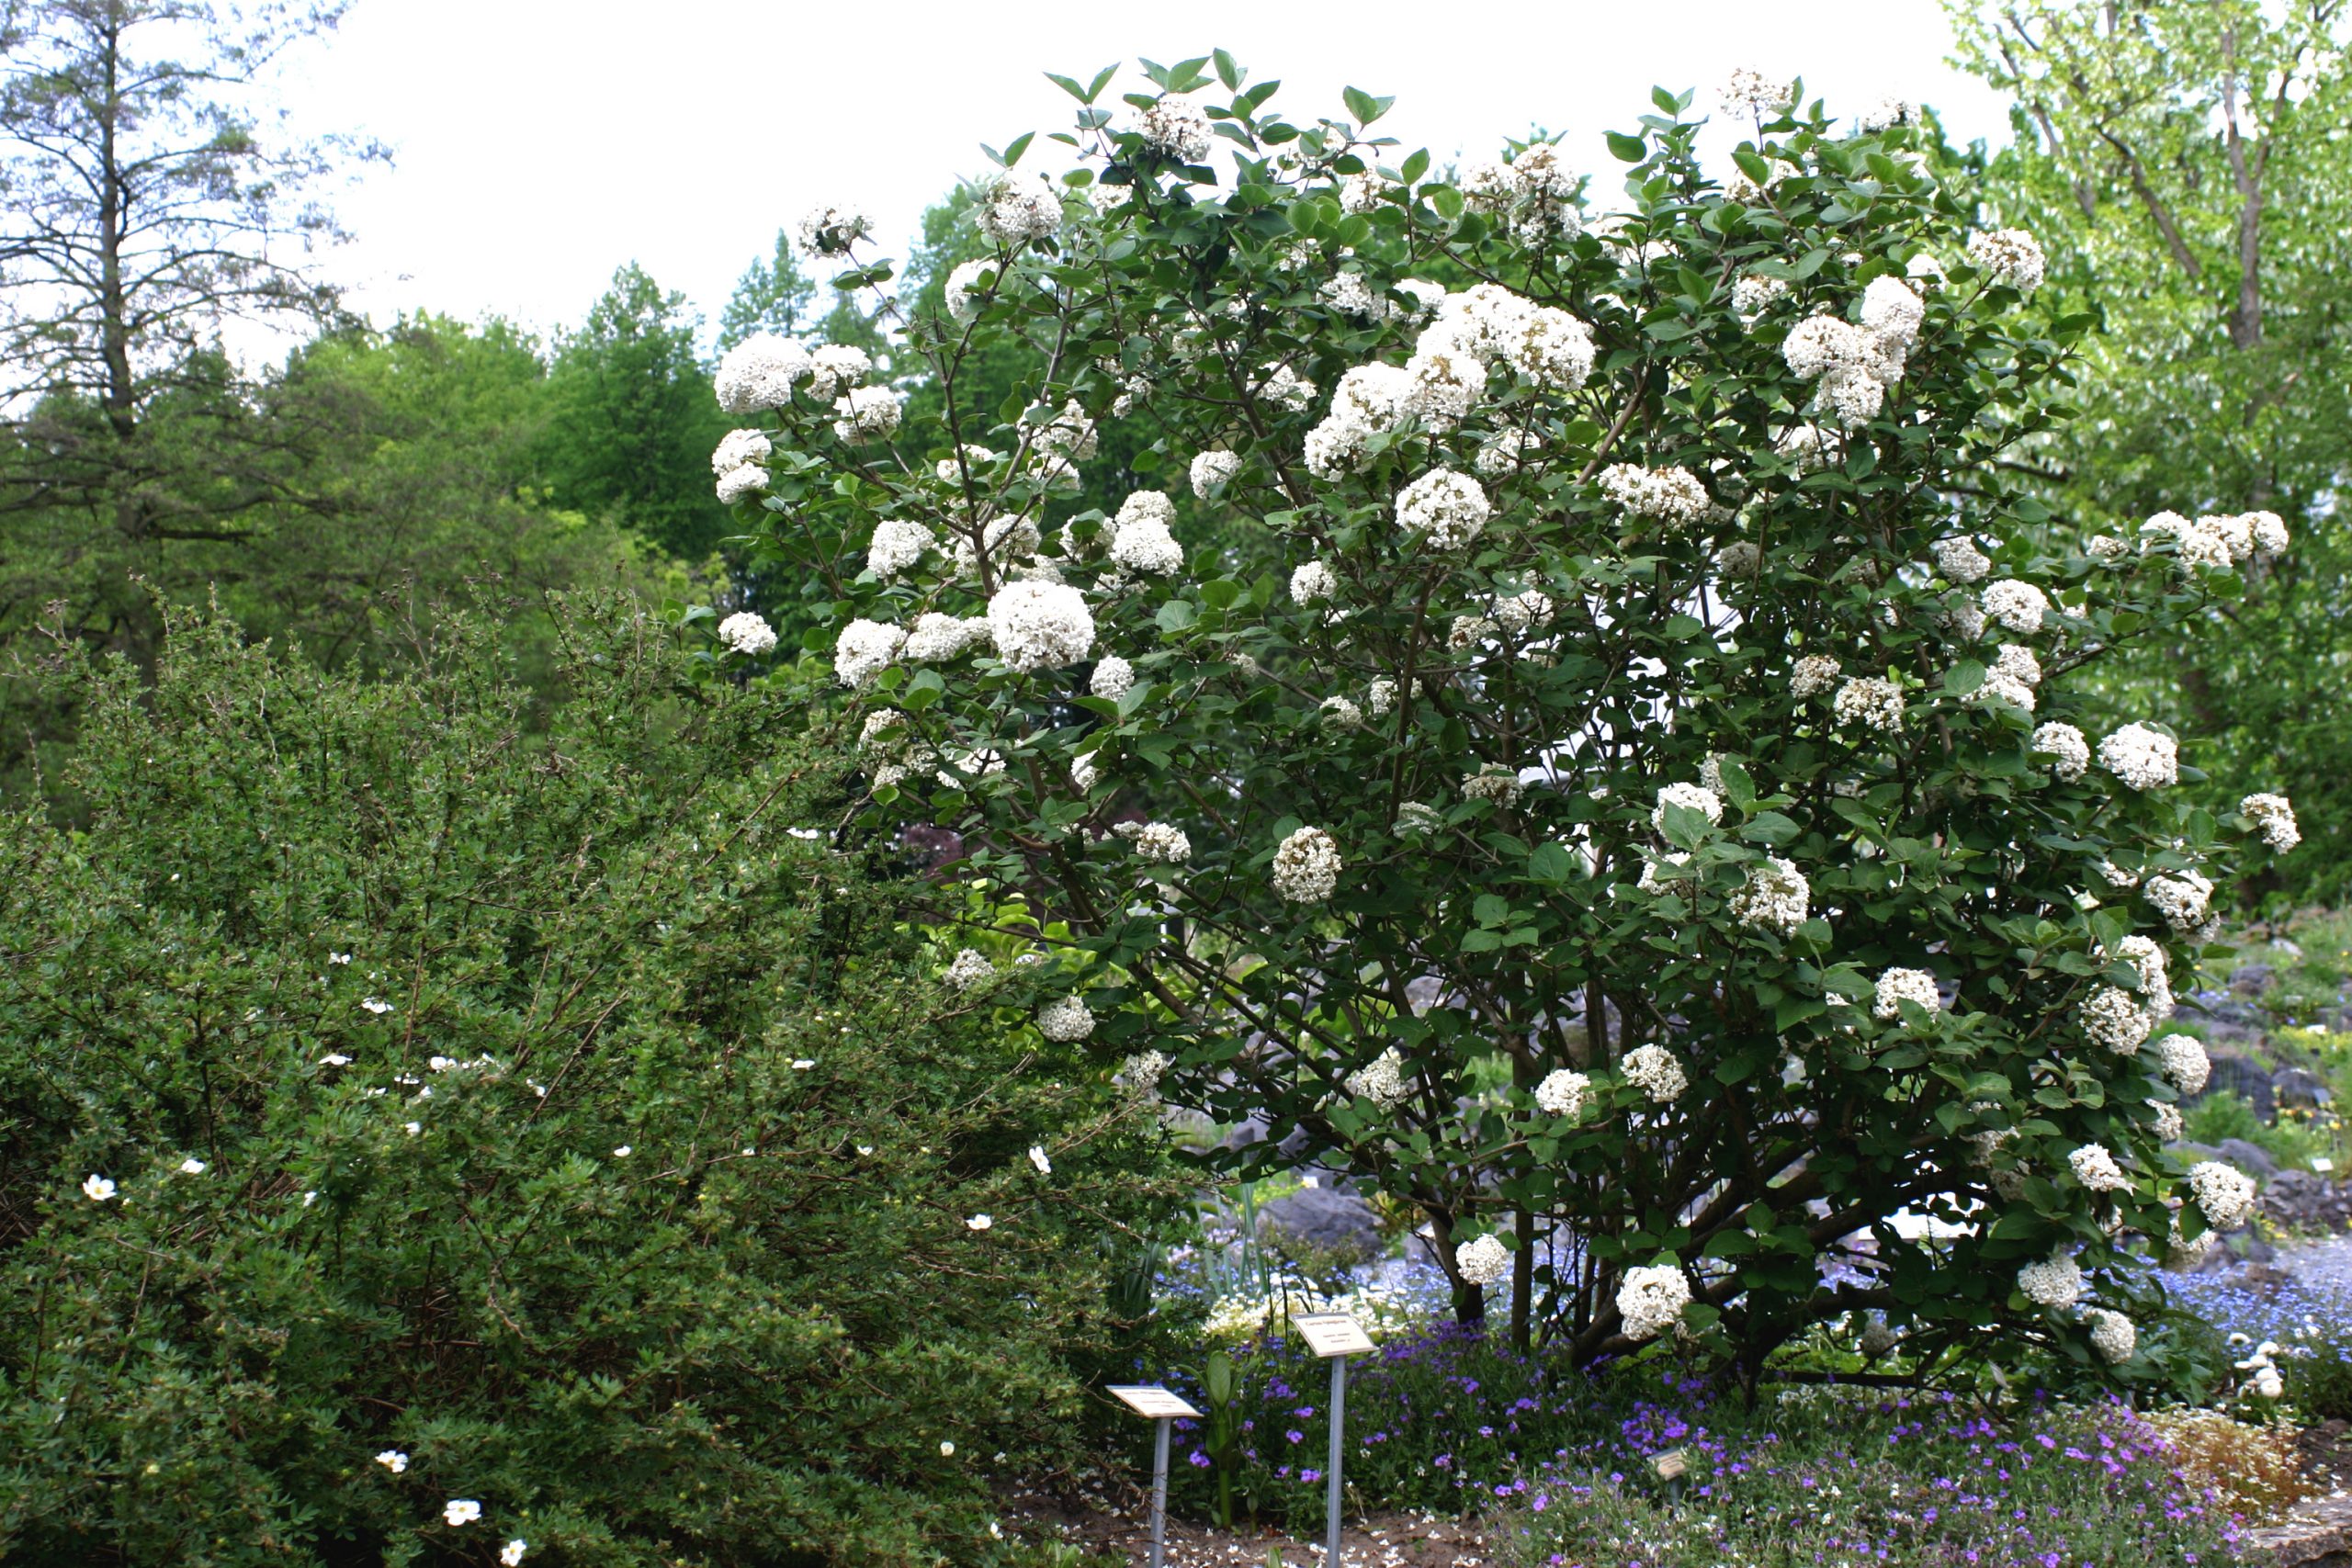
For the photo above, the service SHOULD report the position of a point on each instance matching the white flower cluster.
(1754, 294)
(1749, 92)
(1535, 192)
(1064, 1019)
(862, 650)
(1143, 1071)
(2181, 898)
(1896, 986)
(1654, 1071)
(1307, 866)
(1562, 1093)
(1671, 495)
(897, 546)
(760, 372)
(939, 638)
(2275, 816)
(866, 413)
(970, 971)
(1014, 211)
(1040, 626)
(2223, 1194)
(967, 286)
(835, 368)
(2140, 756)
(1961, 561)
(2182, 1060)
(2113, 1336)
(1163, 843)
(2094, 1165)
(1523, 611)
(1775, 897)
(1141, 538)
(1447, 509)
(1694, 797)
(738, 462)
(1812, 675)
(2055, 1282)
(1885, 112)
(1381, 1080)
(746, 633)
(2112, 1017)
(1312, 581)
(1177, 126)
(1494, 781)
(2067, 746)
(1650, 1300)
(1485, 1261)
(2011, 255)
(1212, 470)
(1113, 677)
(831, 230)
(1854, 365)
(1870, 701)
(2020, 606)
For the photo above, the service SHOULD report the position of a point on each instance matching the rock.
(2293, 1086)
(2250, 980)
(2249, 1159)
(2308, 1201)
(1337, 1223)
(2244, 1076)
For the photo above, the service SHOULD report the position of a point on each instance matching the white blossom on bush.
(1812, 675)
(1654, 1071)
(2055, 1282)
(831, 230)
(2275, 816)
(2181, 898)
(1381, 1080)
(1670, 495)
(746, 633)
(2182, 1060)
(2223, 1193)
(1178, 127)
(1112, 678)
(1163, 843)
(2094, 1165)
(1064, 1018)
(1447, 509)
(2065, 744)
(1775, 897)
(970, 971)
(866, 413)
(1483, 1261)
(2140, 756)
(863, 650)
(2011, 255)
(1563, 1093)
(1040, 626)
(760, 373)
(1896, 986)
(1307, 866)
(1651, 1299)
(1212, 469)
(1690, 797)
(898, 545)
(1872, 702)
(1015, 212)
(2113, 1336)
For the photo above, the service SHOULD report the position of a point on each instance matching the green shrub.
(577, 1117)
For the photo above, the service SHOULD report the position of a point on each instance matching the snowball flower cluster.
(1562, 1093)
(1040, 626)
(970, 971)
(1381, 1080)
(2275, 816)
(2223, 1194)
(759, 373)
(1485, 1261)
(1212, 469)
(2140, 756)
(1112, 678)
(1535, 192)
(2112, 1017)
(737, 463)
(2182, 1060)
(1694, 797)
(2181, 898)
(1177, 126)
(1812, 675)
(938, 638)
(1961, 561)
(1494, 782)
(2094, 1165)
(967, 286)
(897, 546)
(862, 650)
(1854, 365)
(1446, 508)
(1750, 92)
(1064, 1018)
(2020, 606)
(1896, 986)
(1754, 294)
(2056, 1281)
(1307, 866)
(1651, 1299)
(1870, 701)
(1670, 495)
(1654, 1071)
(1312, 582)
(2065, 744)
(866, 413)
(1016, 211)
(1163, 843)
(746, 633)
(2013, 257)
(2113, 1336)
(831, 230)
(1775, 897)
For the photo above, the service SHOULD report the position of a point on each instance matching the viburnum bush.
(1563, 631)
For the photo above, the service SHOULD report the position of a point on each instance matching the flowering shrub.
(1579, 623)
(427, 1143)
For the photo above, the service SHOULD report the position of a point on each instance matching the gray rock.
(1331, 1222)
(2249, 1159)
(2293, 1086)
(2250, 980)
(2244, 1076)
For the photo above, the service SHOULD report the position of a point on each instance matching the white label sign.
(1156, 1403)
(1332, 1334)
(2321, 1163)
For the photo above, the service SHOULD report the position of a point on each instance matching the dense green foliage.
(574, 1114)
(2186, 165)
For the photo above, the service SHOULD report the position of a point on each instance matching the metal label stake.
(1162, 1409)
(1335, 1337)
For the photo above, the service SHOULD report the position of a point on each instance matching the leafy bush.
(576, 1118)
(1592, 625)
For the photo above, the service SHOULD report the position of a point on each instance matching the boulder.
(2244, 1076)
(2293, 1086)
(2250, 980)
(1338, 1223)
(2249, 1159)
(2306, 1201)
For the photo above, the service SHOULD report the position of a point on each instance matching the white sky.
(540, 143)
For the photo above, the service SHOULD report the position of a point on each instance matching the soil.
(1117, 1523)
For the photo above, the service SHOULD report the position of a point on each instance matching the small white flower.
(334, 1059)
(511, 1552)
(947, 1449)
(393, 1461)
(191, 1167)
(98, 1188)
(338, 958)
(375, 1005)
(1037, 1157)
(623, 1152)
(461, 1511)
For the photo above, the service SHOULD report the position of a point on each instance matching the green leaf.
(1551, 862)
(1415, 166)
(1226, 70)
(1481, 940)
(1175, 615)
(1018, 146)
(1629, 149)
(1963, 677)
(1363, 106)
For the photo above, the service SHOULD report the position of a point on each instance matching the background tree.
(773, 295)
(2188, 167)
(631, 420)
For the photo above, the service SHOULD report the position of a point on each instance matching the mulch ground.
(1117, 1521)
